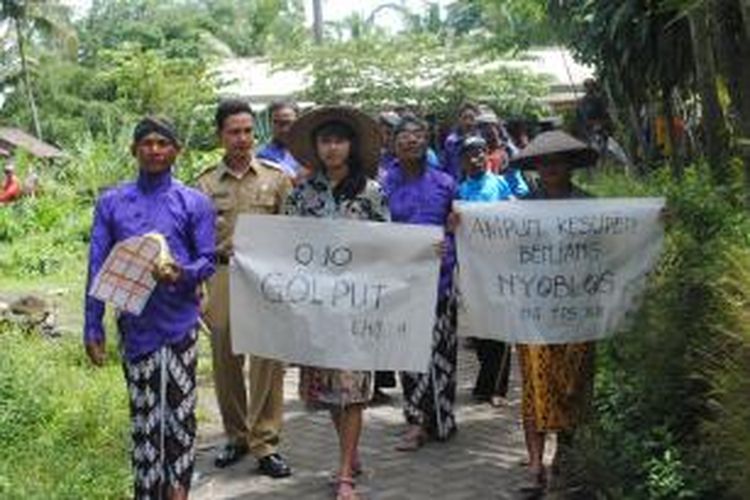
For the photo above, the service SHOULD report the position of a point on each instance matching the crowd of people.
(330, 162)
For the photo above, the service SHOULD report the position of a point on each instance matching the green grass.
(63, 424)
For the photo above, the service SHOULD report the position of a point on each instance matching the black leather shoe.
(380, 398)
(274, 465)
(230, 454)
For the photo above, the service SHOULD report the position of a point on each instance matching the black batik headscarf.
(156, 124)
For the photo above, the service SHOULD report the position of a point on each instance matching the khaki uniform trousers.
(258, 423)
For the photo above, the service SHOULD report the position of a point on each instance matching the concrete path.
(481, 462)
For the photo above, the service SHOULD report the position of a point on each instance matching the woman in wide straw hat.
(342, 145)
(557, 379)
(554, 155)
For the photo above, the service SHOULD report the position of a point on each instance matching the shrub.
(657, 382)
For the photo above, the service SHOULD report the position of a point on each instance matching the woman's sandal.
(534, 481)
(498, 402)
(357, 470)
(345, 489)
(412, 440)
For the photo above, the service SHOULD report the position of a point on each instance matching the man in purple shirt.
(159, 344)
(283, 116)
(467, 123)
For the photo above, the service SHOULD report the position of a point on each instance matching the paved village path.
(481, 462)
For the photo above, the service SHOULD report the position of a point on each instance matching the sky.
(333, 10)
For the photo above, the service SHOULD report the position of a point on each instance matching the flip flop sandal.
(533, 482)
(498, 402)
(357, 470)
(345, 489)
(412, 443)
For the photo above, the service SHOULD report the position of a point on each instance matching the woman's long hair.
(356, 179)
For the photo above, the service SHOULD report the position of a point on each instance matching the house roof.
(17, 138)
(258, 80)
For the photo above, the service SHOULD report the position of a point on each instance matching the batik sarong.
(329, 388)
(557, 384)
(162, 390)
(429, 397)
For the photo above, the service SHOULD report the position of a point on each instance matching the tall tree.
(745, 5)
(318, 20)
(195, 28)
(641, 50)
(732, 42)
(502, 26)
(28, 17)
(714, 126)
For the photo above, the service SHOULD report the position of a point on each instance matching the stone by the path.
(30, 312)
(30, 306)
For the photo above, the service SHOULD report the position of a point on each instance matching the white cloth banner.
(554, 271)
(335, 293)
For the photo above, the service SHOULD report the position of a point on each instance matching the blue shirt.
(516, 182)
(485, 186)
(185, 217)
(432, 159)
(278, 154)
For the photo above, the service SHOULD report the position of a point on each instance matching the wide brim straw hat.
(556, 143)
(302, 143)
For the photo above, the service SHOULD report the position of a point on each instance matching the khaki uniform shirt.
(261, 189)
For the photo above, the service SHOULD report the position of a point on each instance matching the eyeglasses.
(411, 134)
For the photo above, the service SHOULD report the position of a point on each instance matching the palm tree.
(318, 21)
(28, 17)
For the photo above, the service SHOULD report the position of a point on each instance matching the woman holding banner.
(343, 145)
(421, 195)
(557, 379)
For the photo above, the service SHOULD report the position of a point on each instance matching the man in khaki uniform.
(241, 183)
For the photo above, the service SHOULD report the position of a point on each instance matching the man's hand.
(454, 220)
(96, 352)
(441, 247)
(666, 216)
(168, 273)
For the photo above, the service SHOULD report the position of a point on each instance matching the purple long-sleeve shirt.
(426, 199)
(185, 217)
